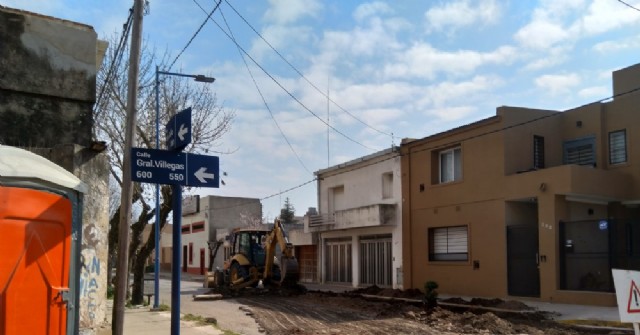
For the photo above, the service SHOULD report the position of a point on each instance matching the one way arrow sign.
(182, 132)
(202, 175)
(202, 171)
(178, 130)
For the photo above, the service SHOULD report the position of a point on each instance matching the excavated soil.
(360, 312)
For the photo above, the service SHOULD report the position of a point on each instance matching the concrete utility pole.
(122, 270)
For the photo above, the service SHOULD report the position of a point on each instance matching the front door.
(185, 258)
(35, 244)
(522, 261)
(201, 261)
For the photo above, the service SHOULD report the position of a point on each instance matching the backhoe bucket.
(289, 271)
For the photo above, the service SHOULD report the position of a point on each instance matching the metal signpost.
(177, 169)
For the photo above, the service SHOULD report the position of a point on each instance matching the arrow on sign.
(183, 131)
(201, 175)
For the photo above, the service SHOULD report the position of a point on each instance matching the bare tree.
(210, 121)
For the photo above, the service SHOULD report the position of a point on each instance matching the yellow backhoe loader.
(254, 260)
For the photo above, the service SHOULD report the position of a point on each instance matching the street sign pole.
(175, 264)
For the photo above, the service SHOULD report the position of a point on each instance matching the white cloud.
(451, 93)
(424, 61)
(606, 15)
(557, 84)
(595, 92)
(549, 58)
(452, 15)
(281, 38)
(607, 47)
(449, 114)
(541, 34)
(370, 9)
(290, 11)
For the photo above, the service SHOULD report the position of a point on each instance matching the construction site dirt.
(384, 311)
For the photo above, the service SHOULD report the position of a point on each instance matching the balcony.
(365, 216)
(571, 180)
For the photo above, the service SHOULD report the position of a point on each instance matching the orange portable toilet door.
(35, 244)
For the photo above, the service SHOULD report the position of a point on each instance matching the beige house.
(527, 203)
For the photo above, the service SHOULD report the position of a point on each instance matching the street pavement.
(231, 316)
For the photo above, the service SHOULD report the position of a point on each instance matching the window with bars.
(618, 147)
(538, 152)
(580, 151)
(450, 165)
(448, 244)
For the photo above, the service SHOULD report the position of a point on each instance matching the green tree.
(288, 212)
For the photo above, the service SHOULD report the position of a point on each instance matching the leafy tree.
(209, 123)
(287, 213)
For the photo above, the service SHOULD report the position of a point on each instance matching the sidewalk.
(142, 321)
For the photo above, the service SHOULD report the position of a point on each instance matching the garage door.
(35, 243)
(338, 258)
(375, 260)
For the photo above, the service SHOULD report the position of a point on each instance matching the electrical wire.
(303, 76)
(264, 101)
(195, 34)
(282, 87)
(624, 3)
(449, 144)
(267, 197)
(115, 62)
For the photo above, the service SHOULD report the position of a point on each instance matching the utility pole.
(122, 270)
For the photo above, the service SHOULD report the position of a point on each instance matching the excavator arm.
(289, 273)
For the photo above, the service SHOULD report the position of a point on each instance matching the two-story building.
(359, 225)
(528, 202)
(205, 221)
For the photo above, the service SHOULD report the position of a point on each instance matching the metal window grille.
(538, 152)
(580, 151)
(618, 147)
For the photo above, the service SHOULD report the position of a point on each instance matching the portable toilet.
(40, 240)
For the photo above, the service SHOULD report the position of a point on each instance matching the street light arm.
(197, 77)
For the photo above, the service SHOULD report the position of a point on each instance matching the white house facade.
(359, 223)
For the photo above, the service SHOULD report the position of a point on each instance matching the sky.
(344, 79)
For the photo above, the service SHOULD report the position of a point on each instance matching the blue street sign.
(178, 130)
(158, 166)
(174, 167)
(202, 171)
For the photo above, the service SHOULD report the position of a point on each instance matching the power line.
(302, 75)
(282, 87)
(628, 5)
(269, 196)
(263, 98)
(195, 34)
(115, 62)
(448, 144)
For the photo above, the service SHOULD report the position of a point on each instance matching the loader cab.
(250, 244)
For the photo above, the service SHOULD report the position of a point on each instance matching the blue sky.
(407, 68)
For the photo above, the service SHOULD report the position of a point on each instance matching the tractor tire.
(237, 272)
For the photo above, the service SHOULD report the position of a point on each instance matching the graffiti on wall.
(90, 282)
(91, 288)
